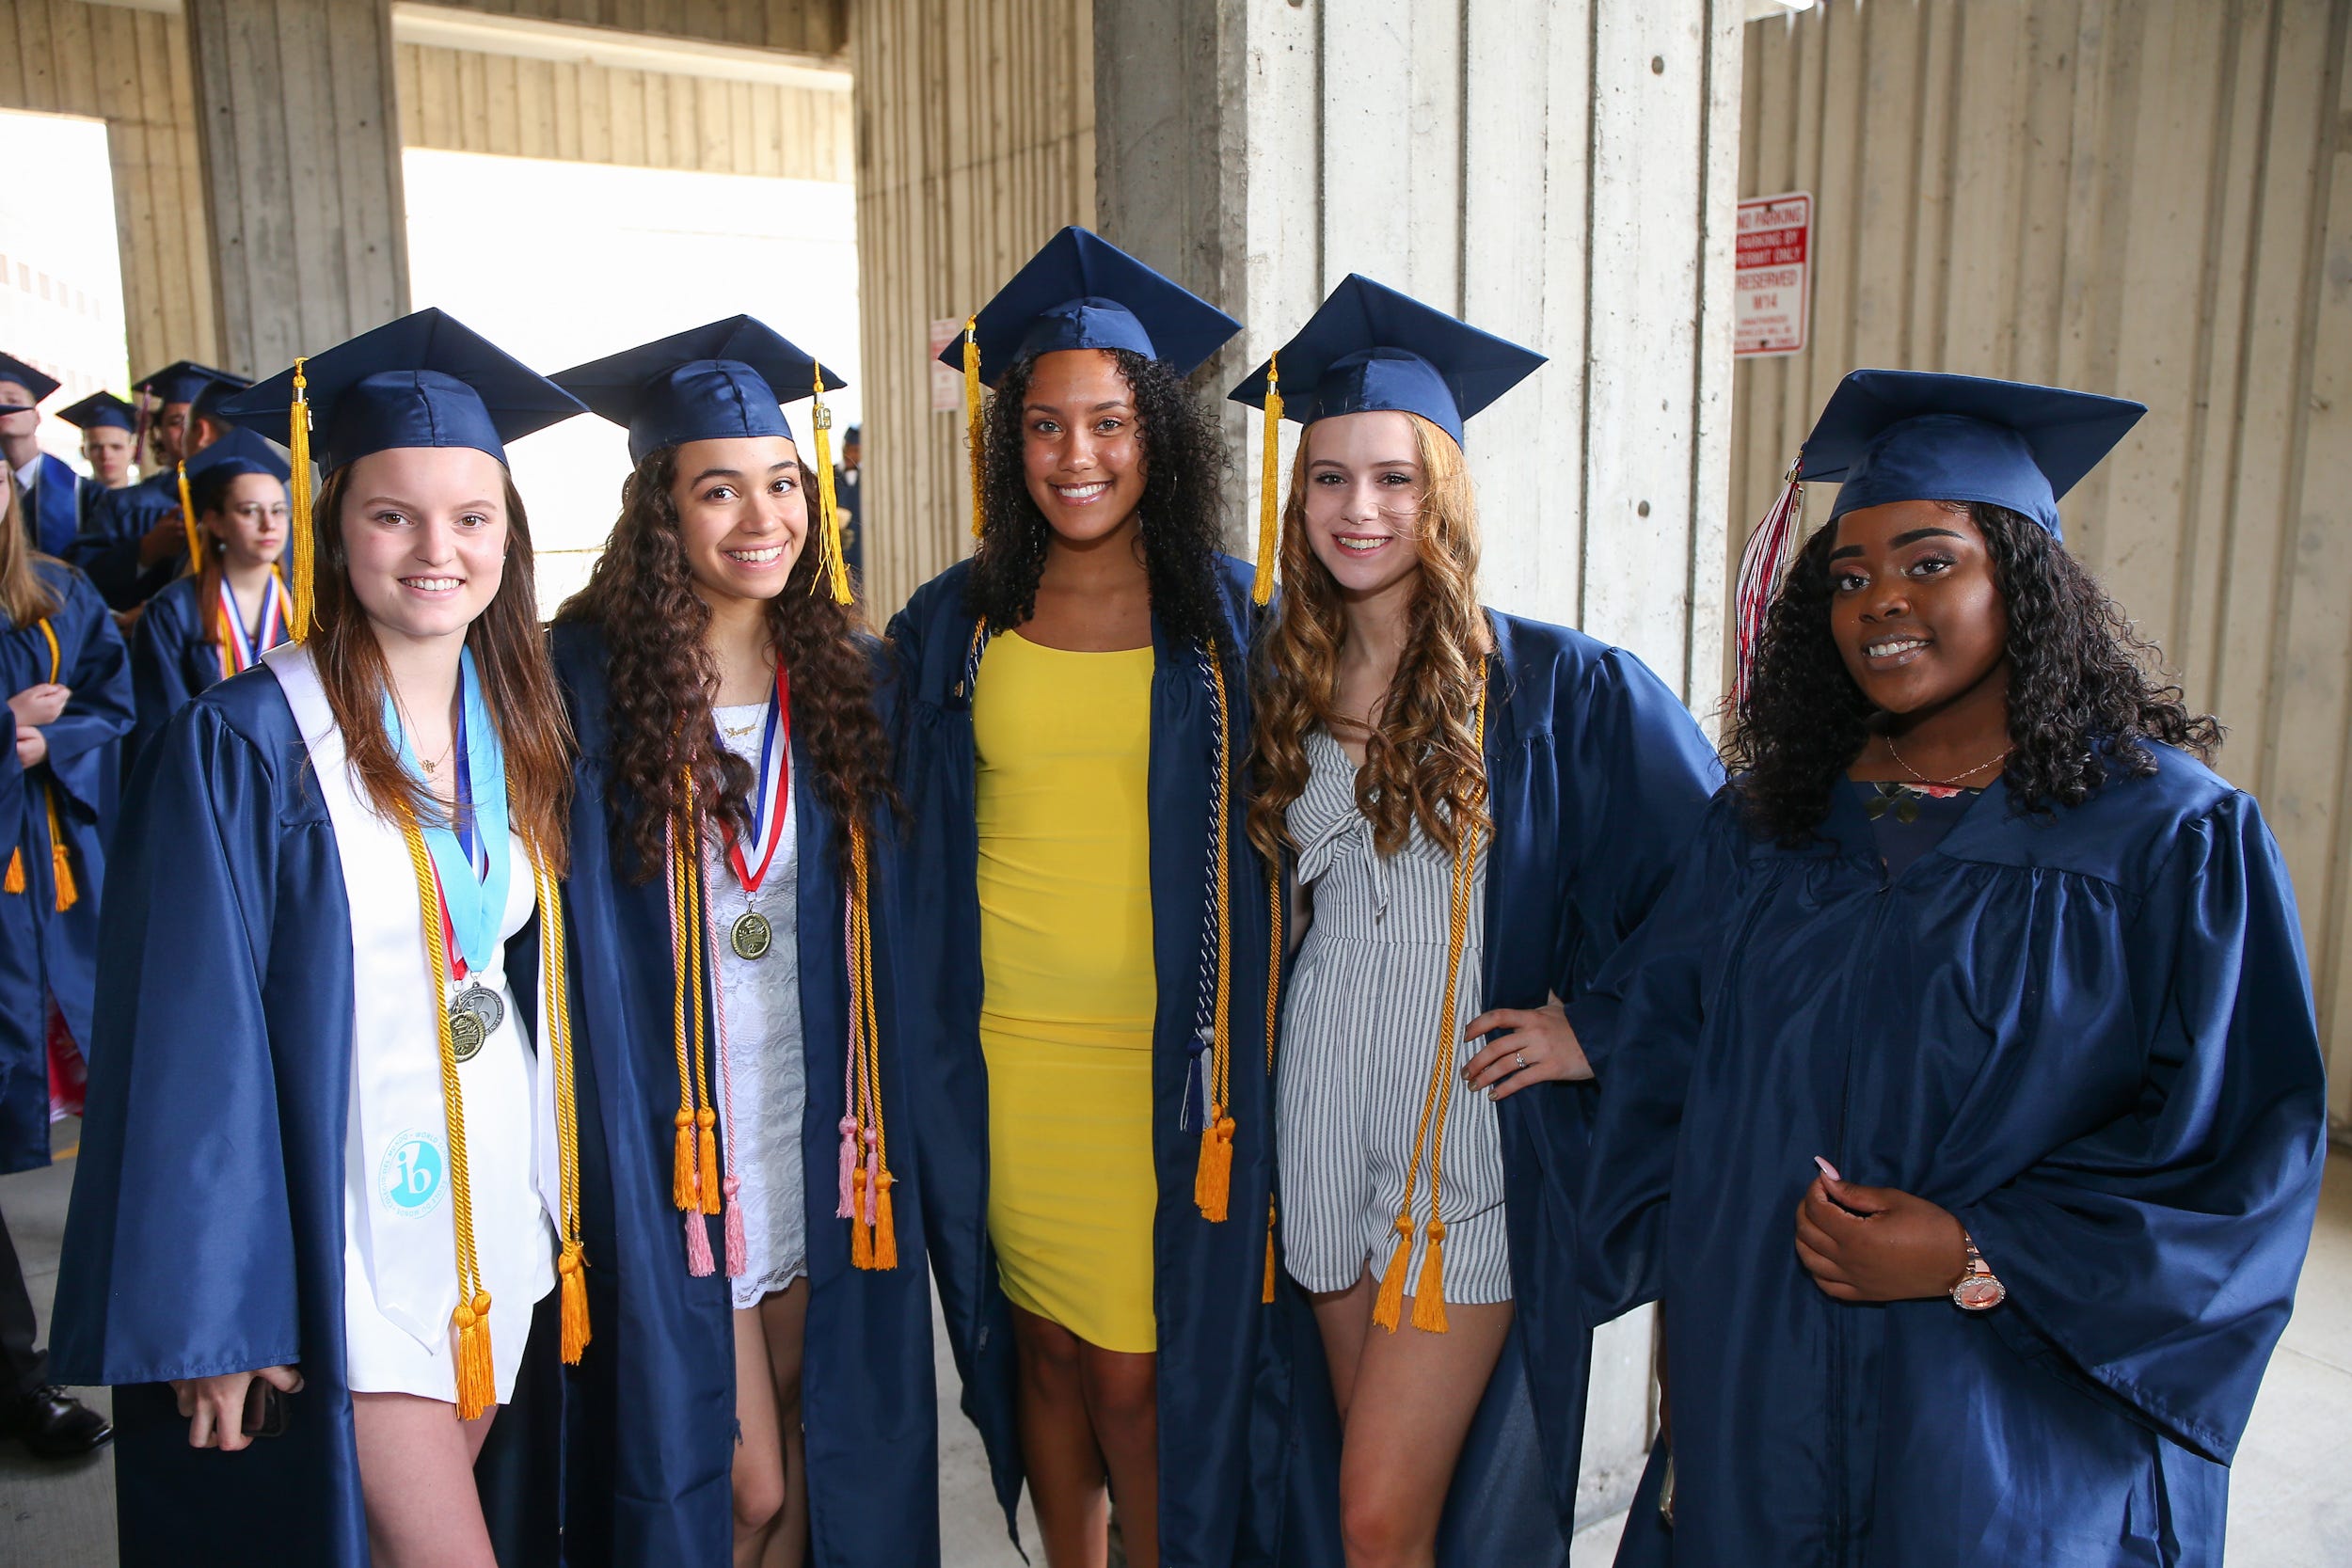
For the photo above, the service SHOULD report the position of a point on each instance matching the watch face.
(1978, 1291)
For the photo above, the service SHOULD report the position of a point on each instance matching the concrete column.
(300, 131)
(1559, 171)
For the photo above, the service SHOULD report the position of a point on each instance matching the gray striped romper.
(1359, 1036)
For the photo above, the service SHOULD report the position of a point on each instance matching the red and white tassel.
(1760, 568)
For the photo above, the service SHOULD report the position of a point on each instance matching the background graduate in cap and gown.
(110, 444)
(1477, 808)
(127, 544)
(1962, 1097)
(330, 1143)
(50, 494)
(1084, 960)
(67, 679)
(233, 607)
(774, 1351)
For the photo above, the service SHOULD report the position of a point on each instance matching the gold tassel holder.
(477, 1374)
(298, 501)
(187, 521)
(972, 415)
(1212, 1177)
(836, 561)
(873, 1245)
(571, 1262)
(1269, 505)
(1429, 1291)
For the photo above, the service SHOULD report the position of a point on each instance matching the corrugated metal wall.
(130, 68)
(975, 142)
(803, 27)
(463, 100)
(2151, 199)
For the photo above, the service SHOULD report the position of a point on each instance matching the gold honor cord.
(305, 553)
(836, 560)
(60, 858)
(1273, 1007)
(1269, 509)
(1429, 1295)
(477, 1374)
(873, 1228)
(694, 1178)
(556, 1031)
(1213, 1178)
(972, 413)
(187, 521)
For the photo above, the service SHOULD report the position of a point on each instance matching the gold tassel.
(971, 413)
(298, 501)
(1269, 509)
(836, 559)
(572, 1268)
(477, 1374)
(187, 520)
(886, 1228)
(68, 894)
(1213, 1178)
(860, 1234)
(1389, 1305)
(1267, 1300)
(14, 881)
(685, 1191)
(707, 1145)
(1429, 1296)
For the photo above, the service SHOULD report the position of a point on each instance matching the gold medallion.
(750, 935)
(465, 1033)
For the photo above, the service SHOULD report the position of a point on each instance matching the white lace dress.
(763, 1055)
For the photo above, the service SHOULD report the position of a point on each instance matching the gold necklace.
(1952, 782)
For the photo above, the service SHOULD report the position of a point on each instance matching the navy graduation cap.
(713, 382)
(1368, 347)
(183, 381)
(709, 382)
(13, 369)
(101, 411)
(240, 452)
(1083, 292)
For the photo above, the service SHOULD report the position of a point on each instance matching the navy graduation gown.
(206, 1230)
(60, 498)
(652, 1408)
(1220, 1444)
(1598, 776)
(77, 777)
(171, 662)
(108, 547)
(2090, 1036)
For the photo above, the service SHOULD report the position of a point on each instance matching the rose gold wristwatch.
(1978, 1289)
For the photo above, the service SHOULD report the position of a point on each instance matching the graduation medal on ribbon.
(751, 936)
(239, 650)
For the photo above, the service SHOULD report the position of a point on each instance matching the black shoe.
(55, 1425)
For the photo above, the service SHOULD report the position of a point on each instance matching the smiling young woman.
(1086, 943)
(1964, 1090)
(1475, 808)
(765, 1389)
(322, 1112)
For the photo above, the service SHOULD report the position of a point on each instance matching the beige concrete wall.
(130, 68)
(2151, 199)
(802, 26)
(975, 143)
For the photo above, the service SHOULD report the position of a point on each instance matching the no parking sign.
(1773, 275)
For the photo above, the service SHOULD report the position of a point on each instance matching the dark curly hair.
(1183, 509)
(2085, 693)
(660, 678)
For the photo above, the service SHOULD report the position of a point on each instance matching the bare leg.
(1122, 1406)
(1058, 1446)
(416, 1481)
(784, 1319)
(1412, 1399)
(757, 1475)
(1345, 1318)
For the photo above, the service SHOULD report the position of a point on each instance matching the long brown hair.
(1421, 760)
(24, 598)
(641, 594)
(510, 654)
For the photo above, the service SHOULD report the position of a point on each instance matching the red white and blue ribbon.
(1761, 564)
(239, 648)
(771, 797)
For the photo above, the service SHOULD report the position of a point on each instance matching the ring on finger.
(1520, 1056)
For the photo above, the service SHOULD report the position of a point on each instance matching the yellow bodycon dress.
(1064, 744)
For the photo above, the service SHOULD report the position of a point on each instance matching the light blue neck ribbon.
(476, 899)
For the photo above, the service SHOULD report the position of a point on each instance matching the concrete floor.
(2290, 1507)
